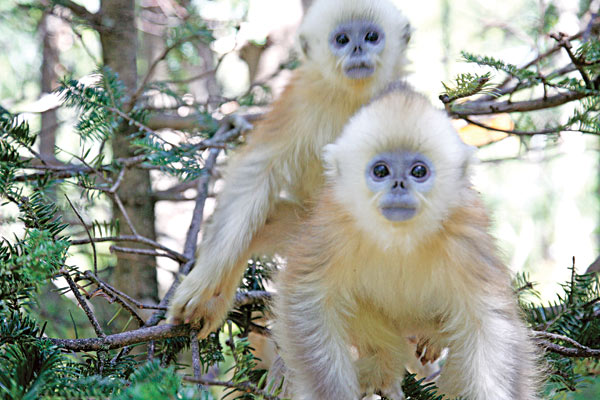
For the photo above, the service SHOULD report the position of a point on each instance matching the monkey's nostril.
(402, 185)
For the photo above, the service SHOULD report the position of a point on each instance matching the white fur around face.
(324, 15)
(399, 120)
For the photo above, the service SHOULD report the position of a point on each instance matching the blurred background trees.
(116, 117)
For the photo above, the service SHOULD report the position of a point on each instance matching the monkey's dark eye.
(381, 171)
(372, 37)
(419, 171)
(342, 39)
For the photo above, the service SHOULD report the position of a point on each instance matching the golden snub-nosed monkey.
(397, 244)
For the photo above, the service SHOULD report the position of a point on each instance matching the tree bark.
(48, 84)
(134, 274)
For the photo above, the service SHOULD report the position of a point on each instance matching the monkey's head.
(355, 42)
(399, 168)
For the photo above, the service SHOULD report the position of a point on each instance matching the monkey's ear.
(304, 45)
(329, 161)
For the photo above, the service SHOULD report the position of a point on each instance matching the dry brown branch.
(564, 42)
(478, 107)
(93, 19)
(119, 340)
(118, 293)
(195, 354)
(84, 305)
(147, 333)
(578, 350)
(105, 288)
(70, 170)
(145, 252)
(137, 239)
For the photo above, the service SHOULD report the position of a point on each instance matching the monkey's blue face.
(356, 45)
(398, 177)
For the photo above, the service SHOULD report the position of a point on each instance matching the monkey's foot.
(205, 305)
(394, 392)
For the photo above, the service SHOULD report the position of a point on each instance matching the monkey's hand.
(202, 299)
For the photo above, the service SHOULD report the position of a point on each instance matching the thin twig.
(579, 350)
(144, 252)
(527, 133)
(84, 305)
(117, 292)
(479, 107)
(119, 204)
(134, 238)
(104, 287)
(87, 231)
(252, 297)
(153, 66)
(196, 355)
(564, 42)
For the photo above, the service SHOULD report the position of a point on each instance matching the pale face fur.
(325, 16)
(371, 131)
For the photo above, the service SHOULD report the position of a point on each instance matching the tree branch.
(478, 107)
(93, 19)
(147, 334)
(119, 340)
(578, 350)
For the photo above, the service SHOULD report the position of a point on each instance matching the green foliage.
(466, 85)
(28, 370)
(522, 74)
(572, 314)
(96, 103)
(419, 390)
(151, 381)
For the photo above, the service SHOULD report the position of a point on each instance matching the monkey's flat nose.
(399, 183)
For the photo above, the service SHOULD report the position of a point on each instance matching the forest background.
(116, 120)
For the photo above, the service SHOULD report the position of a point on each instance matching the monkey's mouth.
(359, 70)
(397, 214)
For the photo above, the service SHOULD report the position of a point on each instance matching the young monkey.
(398, 244)
(352, 50)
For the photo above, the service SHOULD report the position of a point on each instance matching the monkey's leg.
(489, 359)
(313, 342)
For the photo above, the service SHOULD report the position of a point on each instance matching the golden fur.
(354, 278)
(272, 179)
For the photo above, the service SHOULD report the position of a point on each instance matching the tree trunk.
(48, 84)
(134, 274)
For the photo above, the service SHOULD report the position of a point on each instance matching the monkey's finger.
(432, 353)
(421, 346)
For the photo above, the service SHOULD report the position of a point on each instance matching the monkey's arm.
(207, 292)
